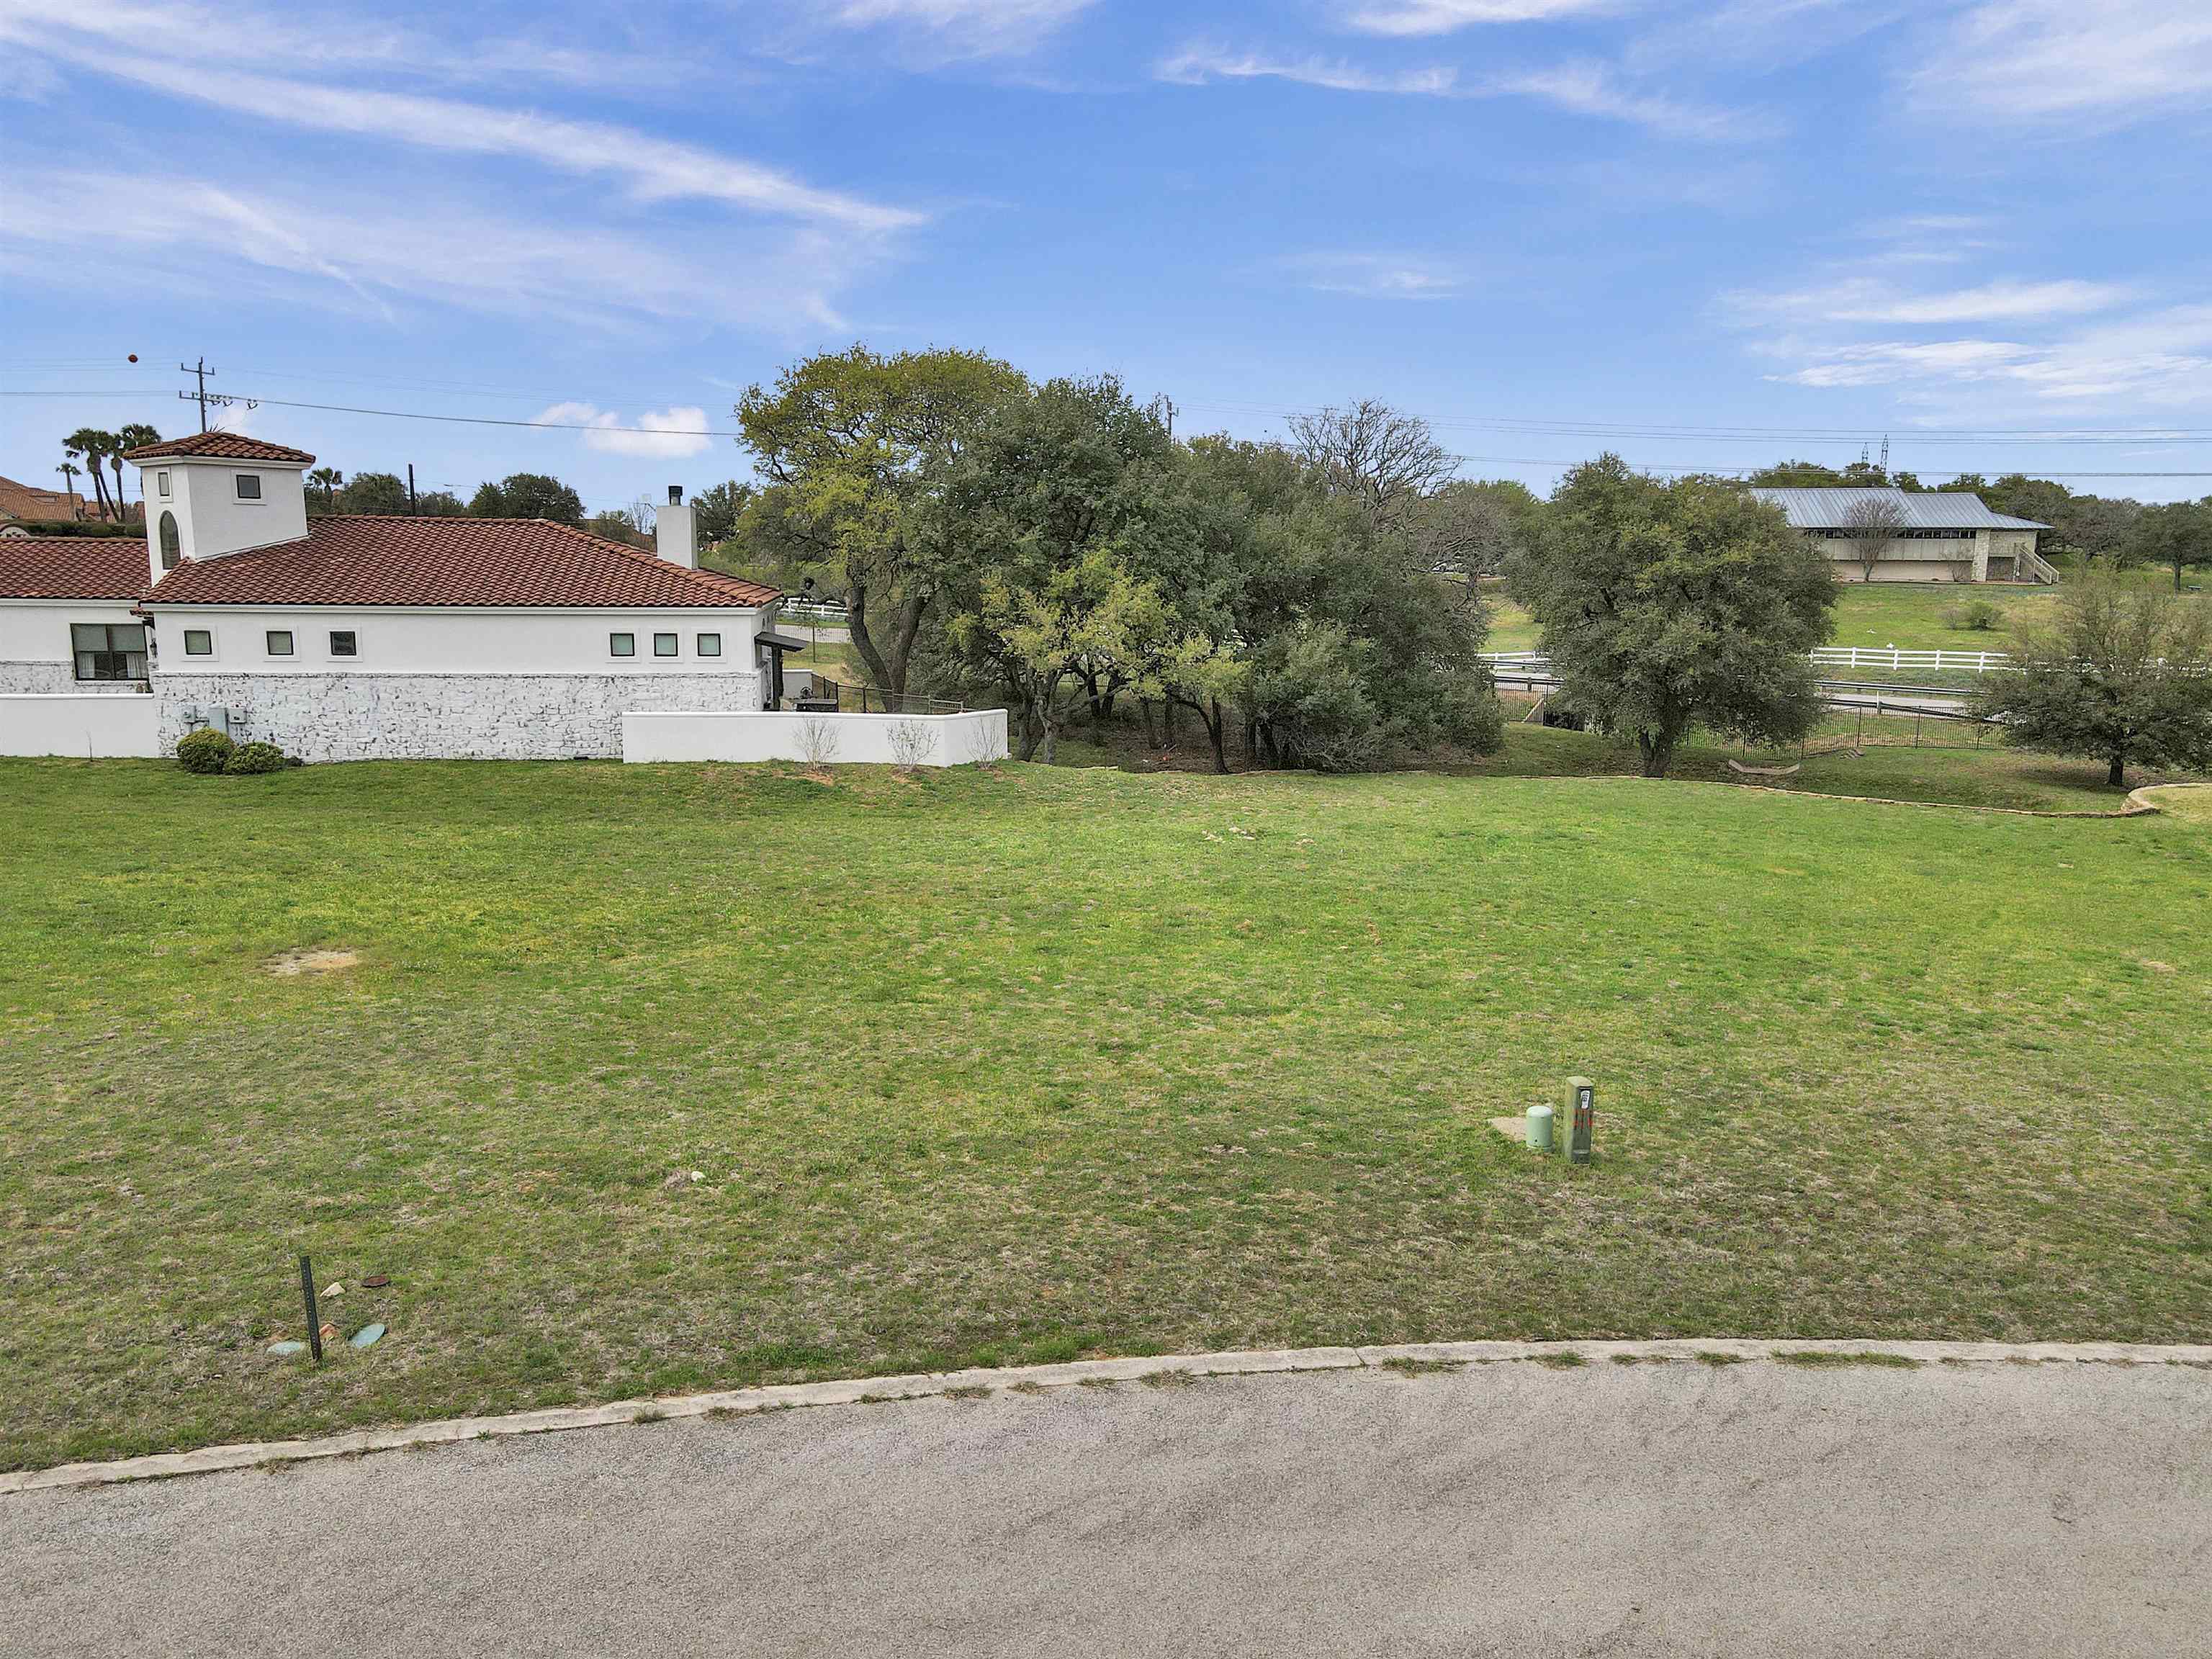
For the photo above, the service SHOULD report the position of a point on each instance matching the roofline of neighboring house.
(147, 605)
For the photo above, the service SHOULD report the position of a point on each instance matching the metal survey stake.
(1581, 1104)
(314, 1320)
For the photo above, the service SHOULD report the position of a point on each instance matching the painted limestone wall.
(835, 739)
(348, 716)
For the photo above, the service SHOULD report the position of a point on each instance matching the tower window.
(249, 486)
(280, 642)
(169, 548)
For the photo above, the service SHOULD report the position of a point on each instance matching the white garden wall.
(349, 716)
(84, 726)
(854, 740)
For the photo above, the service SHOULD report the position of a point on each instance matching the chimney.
(675, 536)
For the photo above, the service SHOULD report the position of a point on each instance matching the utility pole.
(412, 511)
(199, 372)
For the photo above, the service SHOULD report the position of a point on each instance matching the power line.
(1552, 462)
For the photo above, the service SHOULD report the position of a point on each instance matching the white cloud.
(652, 169)
(1423, 17)
(1198, 65)
(1588, 89)
(1869, 300)
(1377, 276)
(669, 433)
(974, 28)
(1593, 90)
(234, 34)
(2111, 60)
(176, 233)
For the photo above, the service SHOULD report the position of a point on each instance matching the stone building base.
(58, 678)
(354, 716)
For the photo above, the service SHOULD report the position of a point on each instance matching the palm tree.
(136, 435)
(90, 444)
(69, 480)
(329, 479)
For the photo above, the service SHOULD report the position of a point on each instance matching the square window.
(280, 642)
(343, 643)
(199, 642)
(664, 645)
(622, 645)
(109, 651)
(161, 482)
(710, 645)
(249, 486)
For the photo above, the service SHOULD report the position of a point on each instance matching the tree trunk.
(1215, 720)
(856, 622)
(909, 626)
(1144, 712)
(2118, 776)
(1657, 750)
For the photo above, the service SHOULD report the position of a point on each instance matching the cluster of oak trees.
(1058, 546)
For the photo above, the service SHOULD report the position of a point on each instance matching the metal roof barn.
(1830, 509)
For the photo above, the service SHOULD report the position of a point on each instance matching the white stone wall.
(350, 716)
(55, 678)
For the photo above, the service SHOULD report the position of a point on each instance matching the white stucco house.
(349, 638)
(1943, 536)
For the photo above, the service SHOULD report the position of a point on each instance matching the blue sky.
(1699, 234)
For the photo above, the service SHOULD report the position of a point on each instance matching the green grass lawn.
(1909, 616)
(1061, 1061)
(1934, 761)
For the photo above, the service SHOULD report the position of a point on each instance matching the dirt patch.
(290, 964)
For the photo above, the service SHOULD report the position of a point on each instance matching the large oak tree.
(1669, 605)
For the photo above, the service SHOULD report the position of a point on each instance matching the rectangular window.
(280, 642)
(199, 642)
(109, 651)
(161, 482)
(249, 486)
(622, 645)
(710, 645)
(344, 644)
(664, 645)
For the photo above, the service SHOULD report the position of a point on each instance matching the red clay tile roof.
(364, 560)
(72, 567)
(221, 446)
(22, 500)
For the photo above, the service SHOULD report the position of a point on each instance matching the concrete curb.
(869, 1391)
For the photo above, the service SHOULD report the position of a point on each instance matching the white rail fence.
(1894, 661)
(1888, 659)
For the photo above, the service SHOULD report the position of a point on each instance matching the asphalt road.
(1987, 1509)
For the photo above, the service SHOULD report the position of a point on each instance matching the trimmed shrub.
(206, 751)
(1972, 616)
(255, 759)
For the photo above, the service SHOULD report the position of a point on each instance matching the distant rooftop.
(1830, 507)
